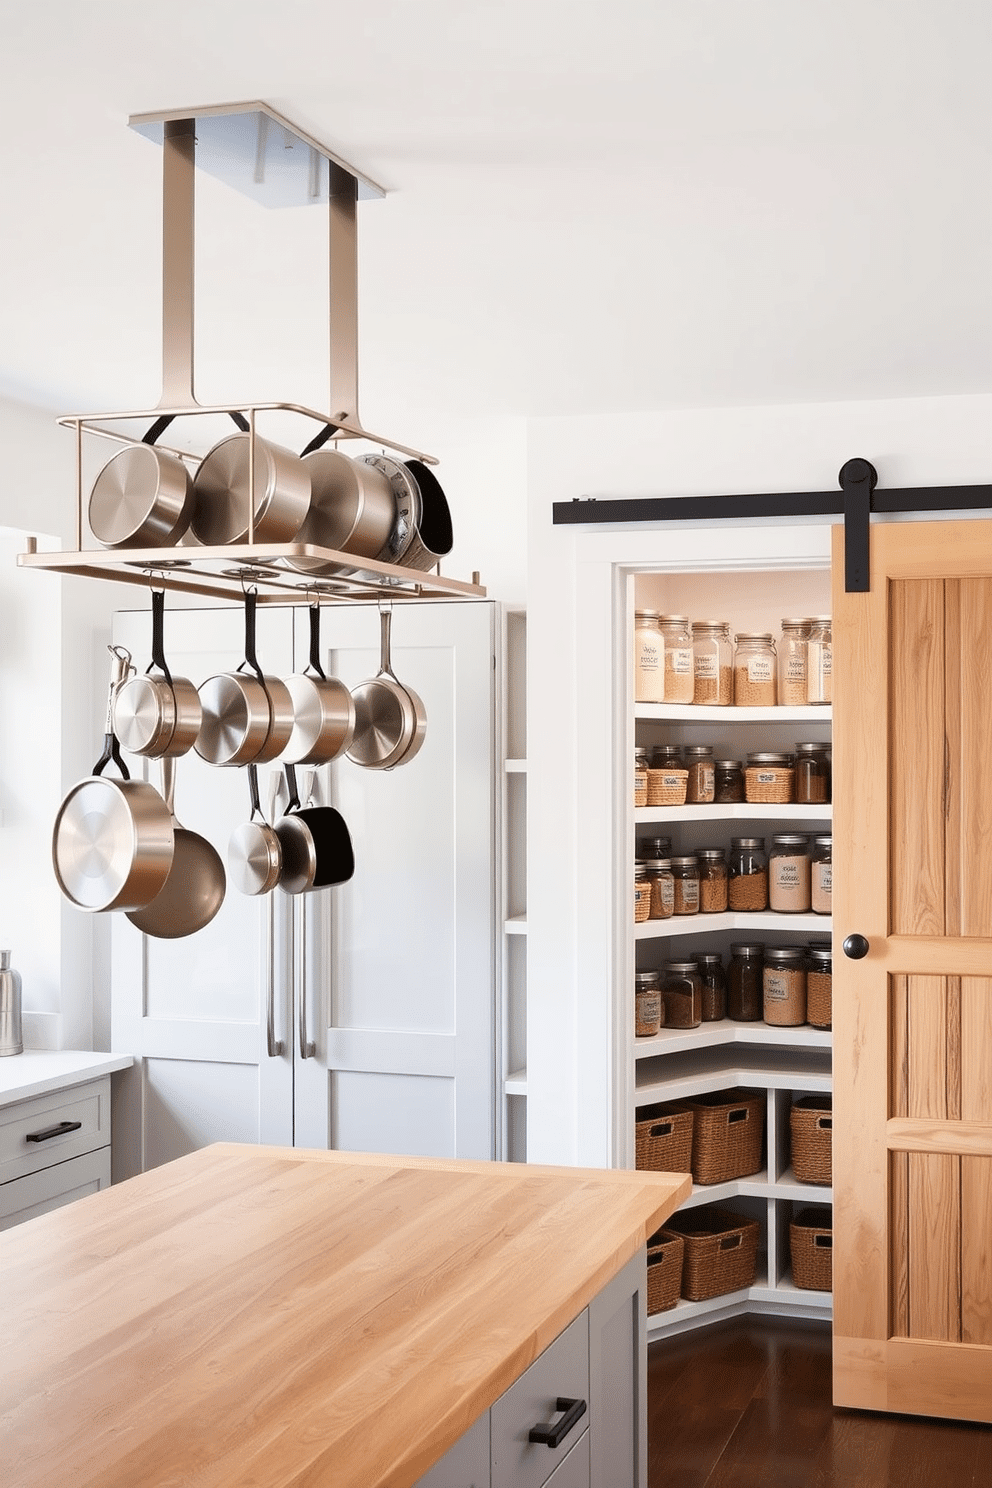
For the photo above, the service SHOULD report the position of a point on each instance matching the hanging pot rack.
(256, 150)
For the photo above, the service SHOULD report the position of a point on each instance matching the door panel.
(912, 1020)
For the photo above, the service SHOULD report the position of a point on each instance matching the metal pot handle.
(307, 1048)
(120, 668)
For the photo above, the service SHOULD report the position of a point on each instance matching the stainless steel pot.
(433, 536)
(390, 719)
(113, 842)
(352, 508)
(406, 515)
(254, 854)
(247, 717)
(315, 841)
(157, 716)
(323, 709)
(142, 498)
(194, 890)
(222, 486)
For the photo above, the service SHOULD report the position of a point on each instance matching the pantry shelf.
(744, 811)
(756, 924)
(705, 1070)
(727, 1031)
(700, 713)
(758, 1186)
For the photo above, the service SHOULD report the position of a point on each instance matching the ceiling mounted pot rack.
(255, 150)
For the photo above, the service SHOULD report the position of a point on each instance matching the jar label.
(671, 782)
(667, 892)
(649, 1006)
(776, 986)
(690, 891)
(650, 654)
(795, 669)
(707, 779)
(760, 668)
(786, 872)
(823, 874)
(707, 666)
(681, 661)
(768, 777)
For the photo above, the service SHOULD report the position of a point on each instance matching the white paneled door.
(393, 973)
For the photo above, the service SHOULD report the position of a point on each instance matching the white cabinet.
(54, 1148)
(396, 970)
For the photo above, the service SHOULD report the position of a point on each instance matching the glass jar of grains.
(745, 998)
(701, 784)
(659, 872)
(655, 847)
(649, 658)
(789, 874)
(712, 880)
(747, 888)
(682, 992)
(728, 785)
(784, 986)
(640, 777)
(822, 875)
(792, 661)
(685, 872)
(812, 781)
(679, 686)
(649, 1009)
(642, 894)
(667, 777)
(820, 661)
(819, 985)
(769, 778)
(712, 663)
(714, 988)
(755, 680)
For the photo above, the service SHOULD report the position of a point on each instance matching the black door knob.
(855, 946)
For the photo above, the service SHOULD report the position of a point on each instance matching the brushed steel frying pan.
(194, 890)
(390, 719)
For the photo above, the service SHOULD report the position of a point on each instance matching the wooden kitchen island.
(273, 1316)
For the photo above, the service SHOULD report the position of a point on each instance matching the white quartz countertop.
(39, 1070)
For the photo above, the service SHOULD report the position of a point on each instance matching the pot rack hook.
(385, 603)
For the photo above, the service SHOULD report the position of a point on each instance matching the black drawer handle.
(53, 1131)
(553, 1436)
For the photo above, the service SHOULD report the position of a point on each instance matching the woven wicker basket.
(776, 791)
(667, 787)
(727, 1135)
(664, 1139)
(721, 1251)
(811, 1240)
(642, 901)
(819, 999)
(665, 1253)
(811, 1126)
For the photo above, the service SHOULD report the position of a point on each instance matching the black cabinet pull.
(553, 1436)
(856, 947)
(53, 1131)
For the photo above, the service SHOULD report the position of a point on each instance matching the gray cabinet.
(54, 1148)
(599, 1359)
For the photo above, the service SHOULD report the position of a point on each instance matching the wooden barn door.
(913, 1017)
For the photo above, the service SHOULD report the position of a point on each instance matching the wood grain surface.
(272, 1317)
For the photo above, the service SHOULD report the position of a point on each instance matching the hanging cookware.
(113, 841)
(222, 486)
(390, 719)
(194, 890)
(323, 710)
(142, 498)
(433, 536)
(352, 508)
(247, 718)
(254, 853)
(406, 514)
(156, 716)
(315, 841)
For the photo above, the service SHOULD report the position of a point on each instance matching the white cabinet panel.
(189, 1103)
(409, 1114)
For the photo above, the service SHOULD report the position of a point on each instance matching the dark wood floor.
(746, 1404)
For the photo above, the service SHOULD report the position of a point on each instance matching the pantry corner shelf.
(756, 924)
(741, 811)
(701, 713)
(728, 1031)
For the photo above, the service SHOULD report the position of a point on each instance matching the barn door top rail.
(855, 501)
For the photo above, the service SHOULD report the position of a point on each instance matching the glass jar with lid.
(714, 988)
(812, 779)
(649, 1009)
(747, 887)
(712, 663)
(679, 684)
(784, 986)
(745, 997)
(640, 777)
(728, 783)
(642, 894)
(822, 875)
(682, 993)
(789, 873)
(820, 661)
(701, 784)
(655, 847)
(769, 778)
(649, 658)
(819, 988)
(712, 880)
(792, 660)
(685, 872)
(755, 670)
(659, 874)
(667, 777)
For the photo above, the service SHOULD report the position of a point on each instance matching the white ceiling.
(593, 204)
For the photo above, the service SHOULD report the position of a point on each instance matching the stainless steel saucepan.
(114, 840)
(390, 719)
(254, 854)
(142, 498)
(222, 492)
(247, 717)
(352, 508)
(157, 715)
(323, 709)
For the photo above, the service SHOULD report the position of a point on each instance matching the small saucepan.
(157, 715)
(390, 719)
(315, 841)
(142, 498)
(433, 535)
(247, 717)
(222, 492)
(254, 854)
(352, 508)
(323, 709)
(196, 884)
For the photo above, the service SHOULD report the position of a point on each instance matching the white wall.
(935, 441)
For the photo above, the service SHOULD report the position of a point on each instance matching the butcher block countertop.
(260, 1317)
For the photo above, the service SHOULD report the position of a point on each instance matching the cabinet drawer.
(575, 1471)
(50, 1188)
(87, 1104)
(562, 1370)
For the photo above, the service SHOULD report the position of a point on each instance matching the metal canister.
(11, 1036)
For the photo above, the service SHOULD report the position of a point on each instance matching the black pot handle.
(294, 791)
(111, 748)
(315, 642)
(319, 440)
(160, 425)
(256, 807)
(158, 636)
(251, 660)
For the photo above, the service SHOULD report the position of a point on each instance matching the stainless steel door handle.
(307, 1049)
(275, 1046)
